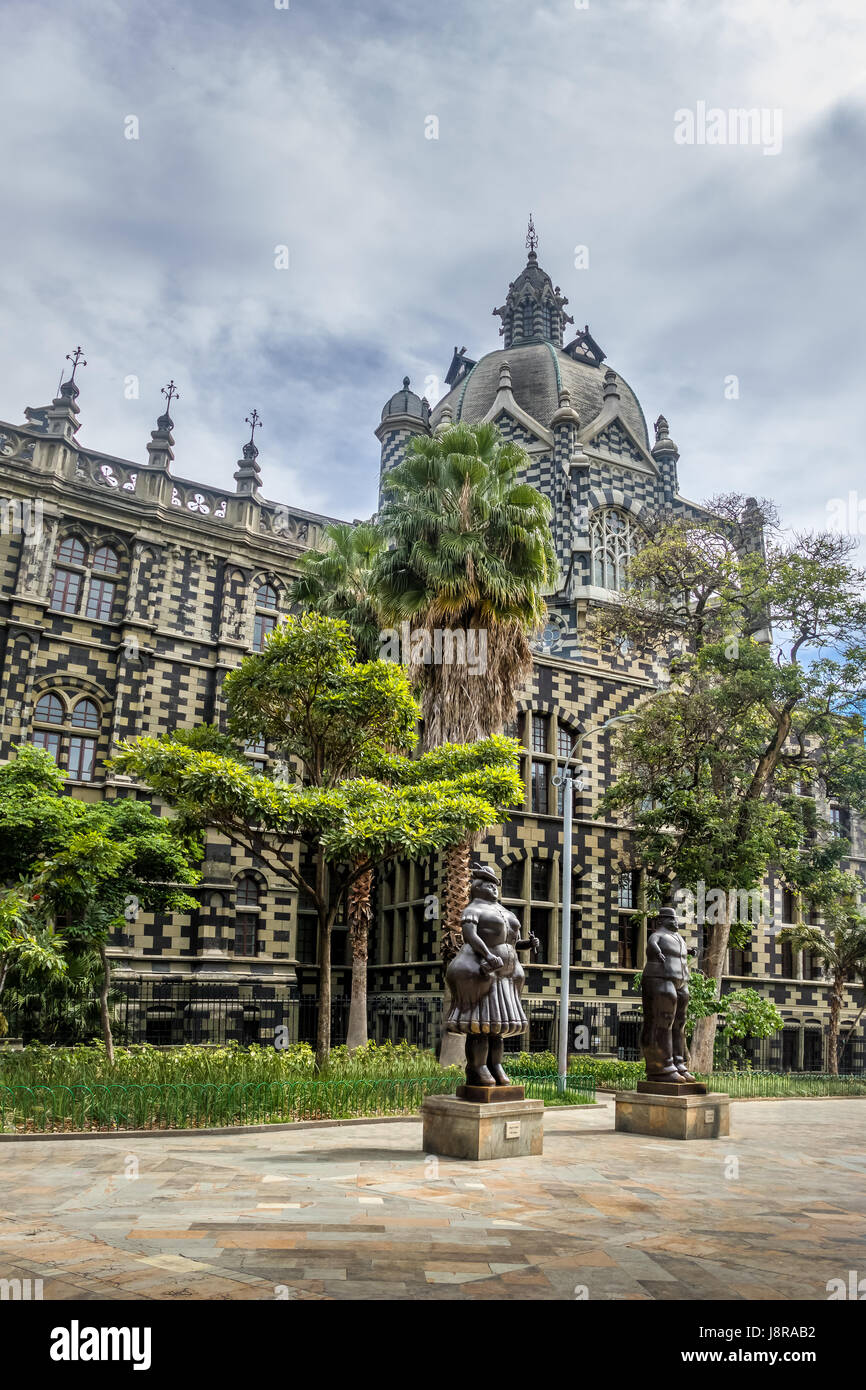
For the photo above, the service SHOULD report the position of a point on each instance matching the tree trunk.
(103, 1004)
(326, 917)
(360, 916)
(712, 964)
(836, 992)
(455, 896)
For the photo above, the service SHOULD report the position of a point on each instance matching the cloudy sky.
(306, 127)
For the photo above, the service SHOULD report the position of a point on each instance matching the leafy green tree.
(840, 943)
(89, 866)
(358, 800)
(767, 682)
(29, 945)
(469, 550)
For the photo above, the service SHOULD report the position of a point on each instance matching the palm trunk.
(360, 916)
(455, 896)
(104, 1016)
(712, 964)
(836, 992)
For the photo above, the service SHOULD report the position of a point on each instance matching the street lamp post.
(570, 784)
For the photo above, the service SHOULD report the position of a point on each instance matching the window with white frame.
(614, 538)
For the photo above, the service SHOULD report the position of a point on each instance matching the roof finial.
(171, 393)
(77, 359)
(254, 421)
(531, 238)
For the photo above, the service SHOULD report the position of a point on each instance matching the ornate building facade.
(129, 592)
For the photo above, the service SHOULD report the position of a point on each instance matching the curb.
(217, 1130)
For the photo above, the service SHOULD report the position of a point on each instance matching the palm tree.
(841, 945)
(470, 552)
(337, 582)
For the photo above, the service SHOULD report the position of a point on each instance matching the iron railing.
(168, 1013)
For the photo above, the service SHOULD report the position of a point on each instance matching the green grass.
(51, 1089)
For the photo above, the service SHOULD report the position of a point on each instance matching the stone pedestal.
(686, 1116)
(480, 1130)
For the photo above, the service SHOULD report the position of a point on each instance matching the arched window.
(60, 734)
(85, 715)
(71, 551)
(49, 710)
(71, 572)
(68, 575)
(247, 892)
(106, 560)
(266, 615)
(247, 916)
(527, 318)
(614, 539)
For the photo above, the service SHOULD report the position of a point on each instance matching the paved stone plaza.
(358, 1211)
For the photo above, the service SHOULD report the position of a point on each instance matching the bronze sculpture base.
(672, 1088)
(488, 1095)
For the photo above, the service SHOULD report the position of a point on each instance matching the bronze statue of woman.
(486, 980)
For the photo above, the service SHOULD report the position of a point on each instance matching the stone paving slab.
(770, 1213)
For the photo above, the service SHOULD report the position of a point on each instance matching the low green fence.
(773, 1083)
(108, 1107)
(624, 1076)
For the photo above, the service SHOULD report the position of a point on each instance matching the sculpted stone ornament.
(665, 994)
(486, 980)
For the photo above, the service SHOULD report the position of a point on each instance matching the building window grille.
(626, 890)
(540, 788)
(613, 541)
(72, 750)
(106, 560)
(66, 590)
(540, 724)
(627, 943)
(82, 756)
(540, 879)
(246, 934)
(100, 600)
(85, 715)
(49, 710)
(247, 892)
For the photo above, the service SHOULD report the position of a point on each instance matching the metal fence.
(168, 1013)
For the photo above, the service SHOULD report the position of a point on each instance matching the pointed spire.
(531, 240)
(534, 308)
(611, 389)
(566, 414)
(61, 416)
(161, 446)
(664, 446)
(68, 389)
(248, 475)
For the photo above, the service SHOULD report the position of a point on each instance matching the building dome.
(539, 372)
(405, 402)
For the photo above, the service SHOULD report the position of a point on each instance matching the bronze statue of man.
(665, 993)
(486, 979)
